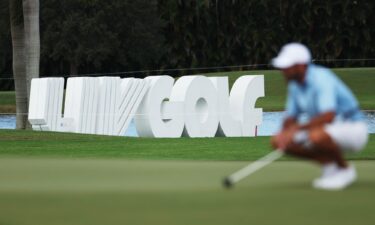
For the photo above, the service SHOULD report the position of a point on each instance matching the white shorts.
(348, 135)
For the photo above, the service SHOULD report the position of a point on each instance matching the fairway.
(92, 191)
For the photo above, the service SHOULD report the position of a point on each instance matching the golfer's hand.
(284, 139)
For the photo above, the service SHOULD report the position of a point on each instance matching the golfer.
(334, 123)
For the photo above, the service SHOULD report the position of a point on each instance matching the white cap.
(292, 54)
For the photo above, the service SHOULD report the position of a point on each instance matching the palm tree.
(24, 21)
(32, 43)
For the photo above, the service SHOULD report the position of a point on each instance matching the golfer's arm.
(289, 122)
(320, 120)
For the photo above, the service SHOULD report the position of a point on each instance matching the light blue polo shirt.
(322, 91)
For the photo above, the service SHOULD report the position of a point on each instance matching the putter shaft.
(253, 167)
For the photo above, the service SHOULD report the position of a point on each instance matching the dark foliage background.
(94, 36)
(210, 33)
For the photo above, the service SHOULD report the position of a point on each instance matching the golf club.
(237, 176)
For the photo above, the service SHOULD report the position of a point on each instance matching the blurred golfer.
(335, 123)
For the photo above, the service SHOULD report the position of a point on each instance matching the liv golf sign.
(193, 106)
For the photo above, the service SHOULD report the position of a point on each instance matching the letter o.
(200, 105)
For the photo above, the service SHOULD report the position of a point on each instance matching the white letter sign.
(193, 106)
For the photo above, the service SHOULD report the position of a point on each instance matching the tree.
(24, 21)
(32, 40)
(6, 83)
(219, 33)
(100, 36)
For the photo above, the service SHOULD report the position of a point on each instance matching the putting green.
(117, 191)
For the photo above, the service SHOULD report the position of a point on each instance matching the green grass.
(7, 102)
(81, 191)
(50, 144)
(7, 98)
(51, 178)
(361, 81)
(97, 192)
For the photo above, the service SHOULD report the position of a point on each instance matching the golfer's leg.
(300, 151)
(322, 142)
(319, 149)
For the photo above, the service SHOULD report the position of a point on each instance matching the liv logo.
(193, 106)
